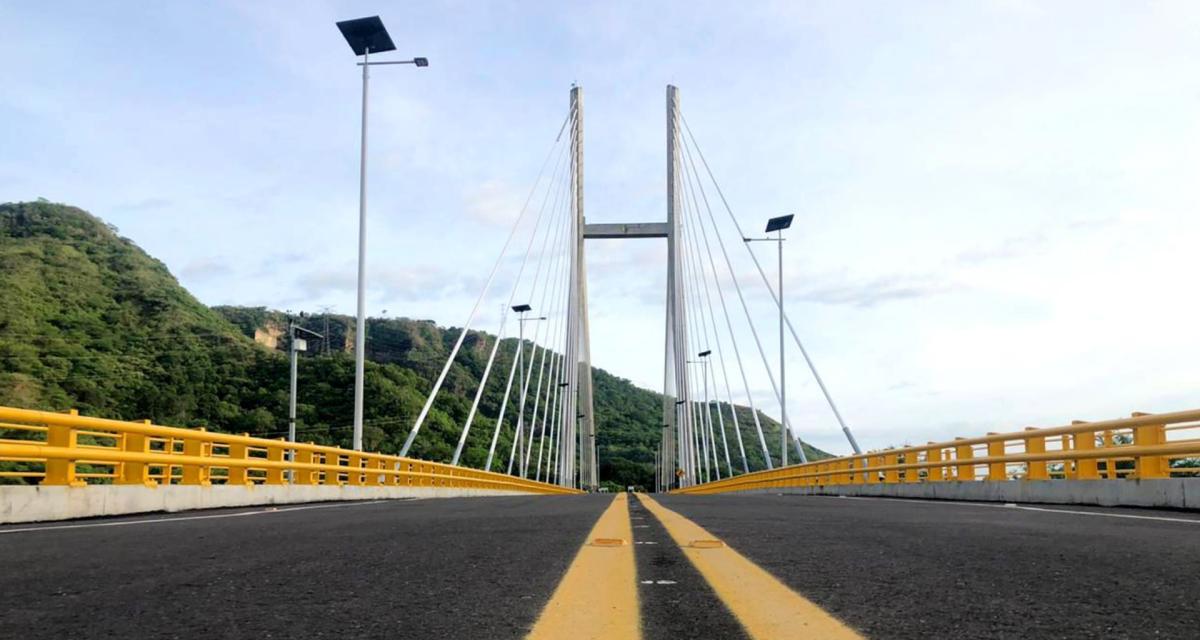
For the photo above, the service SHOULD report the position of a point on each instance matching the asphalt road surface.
(442, 568)
(935, 569)
(486, 568)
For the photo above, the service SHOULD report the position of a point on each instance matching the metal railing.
(1144, 446)
(73, 450)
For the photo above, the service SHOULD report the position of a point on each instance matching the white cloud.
(875, 291)
(399, 284)
(495, 203)
(205, 269)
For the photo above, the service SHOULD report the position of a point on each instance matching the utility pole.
(325, 311)
(294, 350)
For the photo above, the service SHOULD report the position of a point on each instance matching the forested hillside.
(91, 321)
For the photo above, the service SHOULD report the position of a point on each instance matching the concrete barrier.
(1173, 493)
(41, 504)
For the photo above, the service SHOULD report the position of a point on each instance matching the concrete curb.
(1173, 493)
(43, 504)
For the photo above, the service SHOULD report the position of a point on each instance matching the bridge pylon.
(581, 343)
(677, 403)
(678, 413)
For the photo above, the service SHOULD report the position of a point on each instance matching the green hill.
(91, 321)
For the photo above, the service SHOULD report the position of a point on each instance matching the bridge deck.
(487, 567)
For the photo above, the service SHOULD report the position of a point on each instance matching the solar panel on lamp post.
(365, 36)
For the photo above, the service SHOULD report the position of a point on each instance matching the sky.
(996, 202)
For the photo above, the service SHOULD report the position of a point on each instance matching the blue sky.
(996, 202)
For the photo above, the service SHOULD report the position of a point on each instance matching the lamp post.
(683, 446)
(560, 459)
(666, 473)
(295, 346)
(657, 471)
(521, 310)
(577, 474)
(365, 36)
(778, 224)
(702, 425)
(703, 355)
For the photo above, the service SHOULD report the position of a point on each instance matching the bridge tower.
(677, 405)
(581, 404)
(677, 421)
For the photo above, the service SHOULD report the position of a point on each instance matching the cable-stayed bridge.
(704, 437)
(1084, 529)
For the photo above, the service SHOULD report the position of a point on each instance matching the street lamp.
(684, 444)
(365, 36)
(706, 421)
(657, 470)
(521, 310)
(702, 445)
(295, 346)
(703, 355)
(664, 457)
(778, 224)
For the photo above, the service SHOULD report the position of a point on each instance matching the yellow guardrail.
(1142, 447)
(73, 450)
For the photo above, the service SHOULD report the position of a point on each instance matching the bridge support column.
(677, 409)
(588, 476)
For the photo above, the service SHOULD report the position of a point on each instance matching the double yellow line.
(597, 597)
